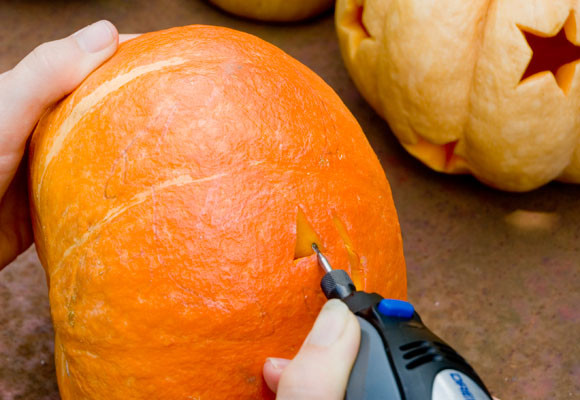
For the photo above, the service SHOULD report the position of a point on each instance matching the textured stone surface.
(495, 274)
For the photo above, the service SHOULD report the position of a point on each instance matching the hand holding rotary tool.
(399, 358)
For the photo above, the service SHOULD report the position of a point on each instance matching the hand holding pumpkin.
(43, 77)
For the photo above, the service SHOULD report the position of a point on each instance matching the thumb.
(321, 368)
(51, 71)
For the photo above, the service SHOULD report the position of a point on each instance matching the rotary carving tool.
(399, 358)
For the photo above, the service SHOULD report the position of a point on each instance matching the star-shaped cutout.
(555, 54)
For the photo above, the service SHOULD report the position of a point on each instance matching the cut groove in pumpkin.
(353, 21)
(305, 236)
(356, 270)
(557, 54)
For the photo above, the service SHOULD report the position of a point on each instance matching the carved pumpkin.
(175, 196)
(485, 87)
(275, 10)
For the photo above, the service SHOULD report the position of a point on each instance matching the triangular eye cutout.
(305, 236)
(555, 54)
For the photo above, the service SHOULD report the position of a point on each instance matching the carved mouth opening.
(557, 54)
(440, 157)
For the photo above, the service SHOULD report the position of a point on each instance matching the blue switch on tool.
(396, 308)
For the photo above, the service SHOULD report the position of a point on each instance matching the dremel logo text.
(467, 395)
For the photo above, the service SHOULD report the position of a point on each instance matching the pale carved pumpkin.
(485, 87)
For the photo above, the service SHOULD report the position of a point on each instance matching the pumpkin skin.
(447, 77)
(172, 196)
(275, 10)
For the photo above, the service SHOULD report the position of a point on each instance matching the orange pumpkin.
(485, 87)
(275, 10)
(175, 195)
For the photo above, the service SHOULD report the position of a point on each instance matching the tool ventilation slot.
(415, 353)
(424, 360)
(423, 352)
(412, 345)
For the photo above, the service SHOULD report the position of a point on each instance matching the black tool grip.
(372, 373)
(425, 365)
(401, 359)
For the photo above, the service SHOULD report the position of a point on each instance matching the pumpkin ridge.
(473, 72)
(135, 200)
(84, 106)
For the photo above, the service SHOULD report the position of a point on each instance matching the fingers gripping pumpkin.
(487, 87)
(175, 196)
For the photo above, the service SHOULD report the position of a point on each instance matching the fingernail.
(278, 363)
(329, 324)
(96, 37)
